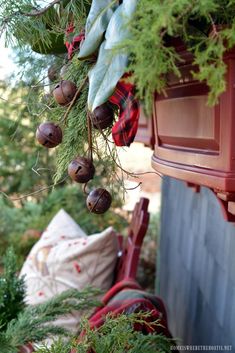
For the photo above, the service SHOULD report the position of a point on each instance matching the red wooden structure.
(125, 276)
(194, 142)
(126, 295)
(145, 132)
(130, 249)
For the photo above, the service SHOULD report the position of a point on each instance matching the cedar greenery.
(40, 32)
(20, 324)
(35, 322)
(116, 335)
(75, 135)
(23, 30)
(151, 59)
(75, 126)
(195, 22)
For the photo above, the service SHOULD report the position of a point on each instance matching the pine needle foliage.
(12, 290)
(42, 30)
(35, 323)
(194, 21)
(116, 335)
(75, 136)
(58, 346)
(75, 126)
(36, 32)
(20, 324)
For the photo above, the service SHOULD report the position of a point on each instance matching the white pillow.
(64, 258)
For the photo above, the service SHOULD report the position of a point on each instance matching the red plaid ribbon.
(73, 43)
(125, 129)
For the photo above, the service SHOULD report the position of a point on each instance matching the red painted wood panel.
(195, 142)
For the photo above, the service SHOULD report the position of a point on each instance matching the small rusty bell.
(102, 117)
(98, 201)
(64, 92)
(49, 134)
(81, 170)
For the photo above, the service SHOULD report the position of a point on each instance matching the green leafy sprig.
(35, 323)
(195, 22)
(25, 22)
(116, 335)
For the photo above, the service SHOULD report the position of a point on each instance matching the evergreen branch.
(155, 21)
(35, 323)
(75, 132)
(117, 334)
(180, 16)
(89, 135)
(64, 120)
(34, 13)
(42, 11)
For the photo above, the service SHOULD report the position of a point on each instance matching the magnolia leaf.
(104, 76)
(117, 30)
(97, 21)
(111, 64)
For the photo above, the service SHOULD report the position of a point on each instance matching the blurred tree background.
(28, 200)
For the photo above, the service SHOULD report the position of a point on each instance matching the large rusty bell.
(98, 201)
(49, 134)
(64, 92)
(81, 170)
(102, 117)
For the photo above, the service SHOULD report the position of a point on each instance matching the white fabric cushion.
(64, 258)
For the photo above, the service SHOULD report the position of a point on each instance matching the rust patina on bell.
(98, 201)
(102, 117)
(49, 134)
(81, 170)
(64, 92)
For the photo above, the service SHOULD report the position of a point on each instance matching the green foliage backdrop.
(194, 21)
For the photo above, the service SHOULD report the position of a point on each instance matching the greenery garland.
(22, 27)
(21, 324)
(194, 21)
(144, 39)
(116, 335)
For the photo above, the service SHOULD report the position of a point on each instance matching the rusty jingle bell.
(98, 201)
(49, 134)
(64, 92)
(81, 170)
(102, 117)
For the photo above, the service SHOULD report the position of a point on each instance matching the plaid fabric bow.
(125, 129)
(73, 42)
